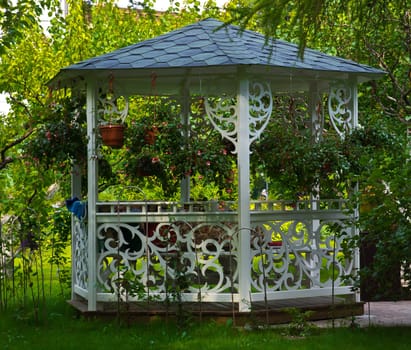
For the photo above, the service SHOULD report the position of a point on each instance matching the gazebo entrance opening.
(237, 250)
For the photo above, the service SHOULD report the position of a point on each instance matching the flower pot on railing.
(112, 135)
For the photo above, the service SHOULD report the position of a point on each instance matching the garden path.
(381, 313)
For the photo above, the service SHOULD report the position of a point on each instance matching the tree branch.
(4, 160)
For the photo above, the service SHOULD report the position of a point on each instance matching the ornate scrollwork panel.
(291, 255)
(339, 107)
(80, 251)
(142, 259)
(261, 106)
(223, 112)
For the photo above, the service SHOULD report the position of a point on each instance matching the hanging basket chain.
(111, 83)
(154, 92)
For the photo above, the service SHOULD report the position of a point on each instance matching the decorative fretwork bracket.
(340, 107)
(223, 112)
(112, 108)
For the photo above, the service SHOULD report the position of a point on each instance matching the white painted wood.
(80, 292)
(185, 120)
(302, 293)
(243, 161)
(92, 183)
(354, 108)
(75, 192)
(317, 121)
(354, 104)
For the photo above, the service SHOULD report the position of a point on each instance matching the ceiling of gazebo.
(205, 56)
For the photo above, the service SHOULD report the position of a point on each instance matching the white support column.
(75, 192)
(354, 104)
(316, 111)
(92, 188)
(354, 109)
(253, 107)
(185, 120)
(243, 159)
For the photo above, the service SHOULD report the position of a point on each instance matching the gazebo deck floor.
(272, 312)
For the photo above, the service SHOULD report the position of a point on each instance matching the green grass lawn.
(63, 330)
(59, 327)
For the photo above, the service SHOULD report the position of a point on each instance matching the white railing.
(152, 249)
(142, 207)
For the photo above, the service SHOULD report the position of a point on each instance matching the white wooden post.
(315, 108)
(354, 104)
(243, 159)
(92, 186)
(75, 192)
(185, 112)
(354, 109)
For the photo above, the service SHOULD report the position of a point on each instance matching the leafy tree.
(16, 17)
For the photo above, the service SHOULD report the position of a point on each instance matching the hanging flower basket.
(147, 165)
(150, 135)
(112, 135)
(112, 112)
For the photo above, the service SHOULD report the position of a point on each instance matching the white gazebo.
(227, 254)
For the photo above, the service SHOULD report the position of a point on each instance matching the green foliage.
(62, 136)
(385, 222)
(296, 164)
(25, 236)
(300, 17)
(16, 17)
(299, 325)
(160, 144)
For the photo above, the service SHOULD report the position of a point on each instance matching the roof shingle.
(210, 43)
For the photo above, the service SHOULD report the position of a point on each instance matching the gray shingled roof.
(206, 44)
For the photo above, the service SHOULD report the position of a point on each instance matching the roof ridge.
(233, 30)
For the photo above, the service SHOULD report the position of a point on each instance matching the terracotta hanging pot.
(150, 135)
(112, 135)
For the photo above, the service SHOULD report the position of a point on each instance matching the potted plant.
(145, 163)
(62, 138)
(112, 135)
(150, 134)
(112, 112)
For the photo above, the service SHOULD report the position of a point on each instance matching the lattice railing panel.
(193, 258)
(80, 254)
